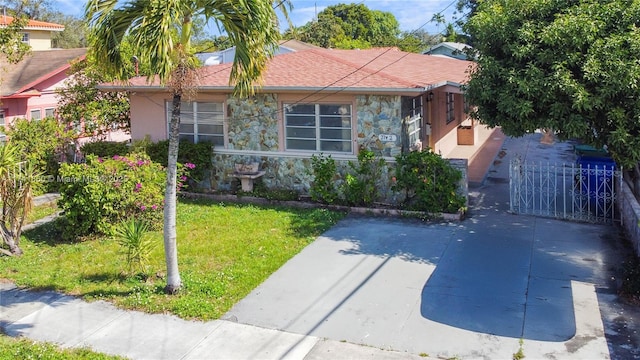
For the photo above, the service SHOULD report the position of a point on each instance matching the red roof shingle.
(318, 68)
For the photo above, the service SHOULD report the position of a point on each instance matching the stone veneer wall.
(379, 114)
(253, 123)
(630, 214)
(253, 126)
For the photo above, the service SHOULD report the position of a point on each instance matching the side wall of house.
(444, 135)
(39, 40)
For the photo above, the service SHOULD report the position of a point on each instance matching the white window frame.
(33, 116)
(198, 120)
(25, 38)
(321, 144)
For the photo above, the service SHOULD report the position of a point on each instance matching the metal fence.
(565, 191)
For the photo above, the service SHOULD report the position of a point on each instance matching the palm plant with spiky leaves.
(16, 180)
(160, 31)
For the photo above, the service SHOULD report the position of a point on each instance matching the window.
(36, 114)
(200, 121)
(2, 117)
(50, 112)
(450, 107)
(412, 108)
(318, 127)
(25, 38)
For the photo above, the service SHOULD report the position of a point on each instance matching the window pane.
(209, 107)
(49, 112)
(294, 144)
(217, 140)
(187, 137)
(210, 129)
(308, 133)
(301, 109)
(185, 117)
(341, 146)
(335, 109)
(301, 120)
(334, 121)
(210, 118)
(35, 115)
(329, 134)
(187, 128)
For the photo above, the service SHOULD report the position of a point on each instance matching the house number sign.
(387, 137)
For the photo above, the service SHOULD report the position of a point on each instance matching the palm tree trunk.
(170, 247)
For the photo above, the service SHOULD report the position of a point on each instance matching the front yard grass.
(41, 211)
(224, 252)
(11, 348)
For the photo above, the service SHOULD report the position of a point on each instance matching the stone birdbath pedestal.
(247, 173)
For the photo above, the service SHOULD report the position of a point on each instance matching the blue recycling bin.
(596, 175)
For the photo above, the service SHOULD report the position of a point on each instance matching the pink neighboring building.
(29, 87)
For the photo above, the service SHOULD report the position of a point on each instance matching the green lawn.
(41, 211)
(11, 348)
(224, 252)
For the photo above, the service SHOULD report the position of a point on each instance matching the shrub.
(428, 181)
(103, 192)
(105, 149)
(323, 187)
(135, 243)
(43, 143)
(361, 187)
(188, 152)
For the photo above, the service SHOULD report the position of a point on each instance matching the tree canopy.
(74, 34)
(354, 26)
(563, 65)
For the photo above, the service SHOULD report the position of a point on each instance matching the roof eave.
(156, 88)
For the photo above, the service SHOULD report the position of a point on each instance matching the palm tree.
(161, 31)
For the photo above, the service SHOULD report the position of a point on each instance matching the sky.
(411, 14)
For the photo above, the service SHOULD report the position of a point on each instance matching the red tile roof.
(32, 24)
(355, 70)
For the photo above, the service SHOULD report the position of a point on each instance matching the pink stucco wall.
(148, 115)
(21, 108)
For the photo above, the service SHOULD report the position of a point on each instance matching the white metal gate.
(564, 191)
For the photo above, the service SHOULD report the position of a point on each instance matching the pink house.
(29, 87)
(318, 101)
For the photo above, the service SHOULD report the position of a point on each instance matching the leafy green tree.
(11, 46)
(81, 103)
(73, 35)
(43, 144)
(562, 65)
(162, 33)
(349, 26)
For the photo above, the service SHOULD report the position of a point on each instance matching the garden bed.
(377, 209)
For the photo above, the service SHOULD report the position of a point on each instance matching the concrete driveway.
(470, 290)
(444, 290)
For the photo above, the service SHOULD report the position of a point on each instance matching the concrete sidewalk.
(399, 288)
(70, 322)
